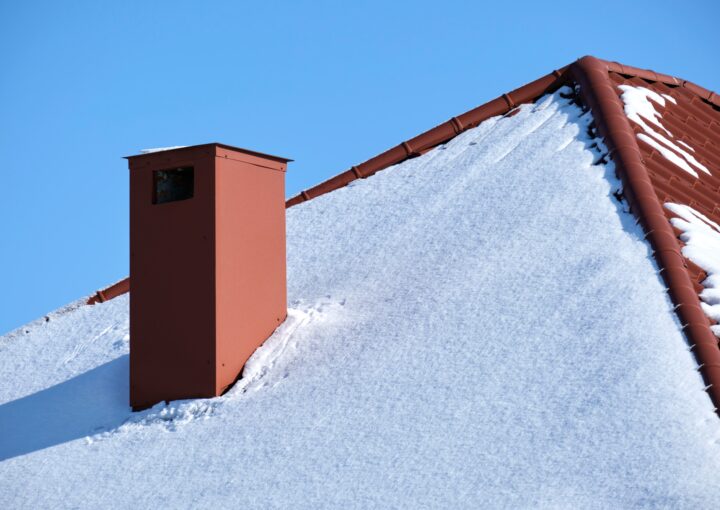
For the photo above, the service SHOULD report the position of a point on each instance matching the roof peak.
(499, 106)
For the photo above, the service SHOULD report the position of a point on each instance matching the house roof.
(482, 325)
(648, 169)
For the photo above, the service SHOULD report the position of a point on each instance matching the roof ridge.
(648, 74)
(502, 104)
(439, 134)
(598, 91)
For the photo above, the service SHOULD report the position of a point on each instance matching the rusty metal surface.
(197, 265)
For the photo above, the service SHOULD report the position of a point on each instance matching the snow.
(702, 246)
(686, 145)
(481, 326)
(639, 109)
(161, 149)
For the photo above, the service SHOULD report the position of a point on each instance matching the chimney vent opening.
(173, 185)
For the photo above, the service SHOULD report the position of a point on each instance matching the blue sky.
(328, 84)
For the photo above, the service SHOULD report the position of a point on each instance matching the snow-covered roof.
(481, 325)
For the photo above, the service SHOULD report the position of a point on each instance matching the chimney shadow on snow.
(89, 403)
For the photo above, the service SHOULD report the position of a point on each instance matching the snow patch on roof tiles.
(639, 109)
(685, 145)
(701, 236)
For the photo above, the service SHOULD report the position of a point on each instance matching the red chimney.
(207, 265)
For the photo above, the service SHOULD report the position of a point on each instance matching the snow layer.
(640, 110)
(701, 236)
(482, 326)
(161, 149)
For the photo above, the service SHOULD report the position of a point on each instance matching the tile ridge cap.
(650, 75)
(600, 94)
(441, 133)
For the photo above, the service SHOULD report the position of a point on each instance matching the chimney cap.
(152, 152)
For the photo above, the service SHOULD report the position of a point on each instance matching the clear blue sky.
(328, 84)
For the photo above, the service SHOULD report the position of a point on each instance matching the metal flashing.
(209, 145)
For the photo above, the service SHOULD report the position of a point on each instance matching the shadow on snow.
(89, 403)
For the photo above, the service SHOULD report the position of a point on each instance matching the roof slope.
(480, 326)
(655, 172)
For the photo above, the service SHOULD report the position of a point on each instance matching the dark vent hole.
(173, 185)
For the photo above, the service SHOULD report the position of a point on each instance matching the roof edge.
(116, 289)
(673, 81)
(501, 105)
(598, 91)
(439, 134)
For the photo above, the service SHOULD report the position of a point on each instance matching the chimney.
(207, 265)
